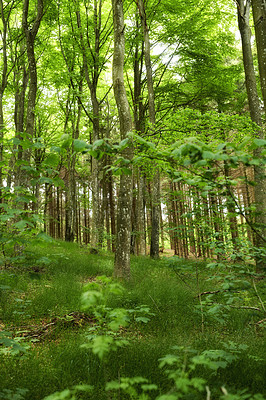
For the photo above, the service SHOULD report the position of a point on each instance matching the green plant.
(17, 394)
(69, 394)
(12, 345)
(136, 388)
(105, 334)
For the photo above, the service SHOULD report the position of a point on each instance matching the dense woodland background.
(184, 77)
(134, 128)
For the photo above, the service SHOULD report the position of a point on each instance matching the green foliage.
(69, 394)
(105, 335)
(12, 346)
(219, 356)
(132, 387)
(18, 394)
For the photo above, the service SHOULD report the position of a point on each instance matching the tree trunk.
(156, 210)
(30, 35)
(122, 255)
(250, 77)
(259, 17)
(141, 225)
(92, 72)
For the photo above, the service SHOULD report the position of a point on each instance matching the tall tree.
(155, 229)
(243, 12)
(122, 255)
(259, 18)
(30, 31)
(259, 13)
(6, 66)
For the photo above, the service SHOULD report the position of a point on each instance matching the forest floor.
(210, 318)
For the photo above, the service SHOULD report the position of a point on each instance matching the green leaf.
(16, 141)
(90, 298)
(56, 149)
(38, 145)
(113, 385)
(123, 144)
(260, 142)
(44, 260)
(83, 388)
(64, 395)
(44, 179)
(22, 224)
(102, 345)
(97, 143)
(183, 384)
(80, 145)
(169, 359)
(198, 383)
(46, 238)
(148, 386)
(145, 320)
(209, 155)
(52, 160)
(255, 161)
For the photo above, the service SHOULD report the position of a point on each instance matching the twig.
(155, 303)
(236, 290)
(182, 279)
(261, 321)
(72, 318)
(240, 307)
(256, 291)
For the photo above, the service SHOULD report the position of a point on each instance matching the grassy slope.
(49, 284)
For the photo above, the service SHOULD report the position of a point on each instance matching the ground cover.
(211, 313)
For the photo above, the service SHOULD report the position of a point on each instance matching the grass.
(47, 286)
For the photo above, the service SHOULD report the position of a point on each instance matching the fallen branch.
(240, 307)
(237, 290)
(72, 319)
(262, 321)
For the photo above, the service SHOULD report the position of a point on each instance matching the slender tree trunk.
(155, 232)
(259, 17)
(141, 215)
(122, 255)
(58, 214)
(250, 77)
(3, 83)
(92, 72)
(30, 35)
(134, 226)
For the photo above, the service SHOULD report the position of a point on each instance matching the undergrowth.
(168, 305)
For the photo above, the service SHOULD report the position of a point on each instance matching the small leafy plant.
(105, 334)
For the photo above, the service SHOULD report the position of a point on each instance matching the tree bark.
(156, 210)
(30, 35)
(259, 16)
(122, 255)
(141, 216)
(92, 72)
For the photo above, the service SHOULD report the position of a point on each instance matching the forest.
(132, 199)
